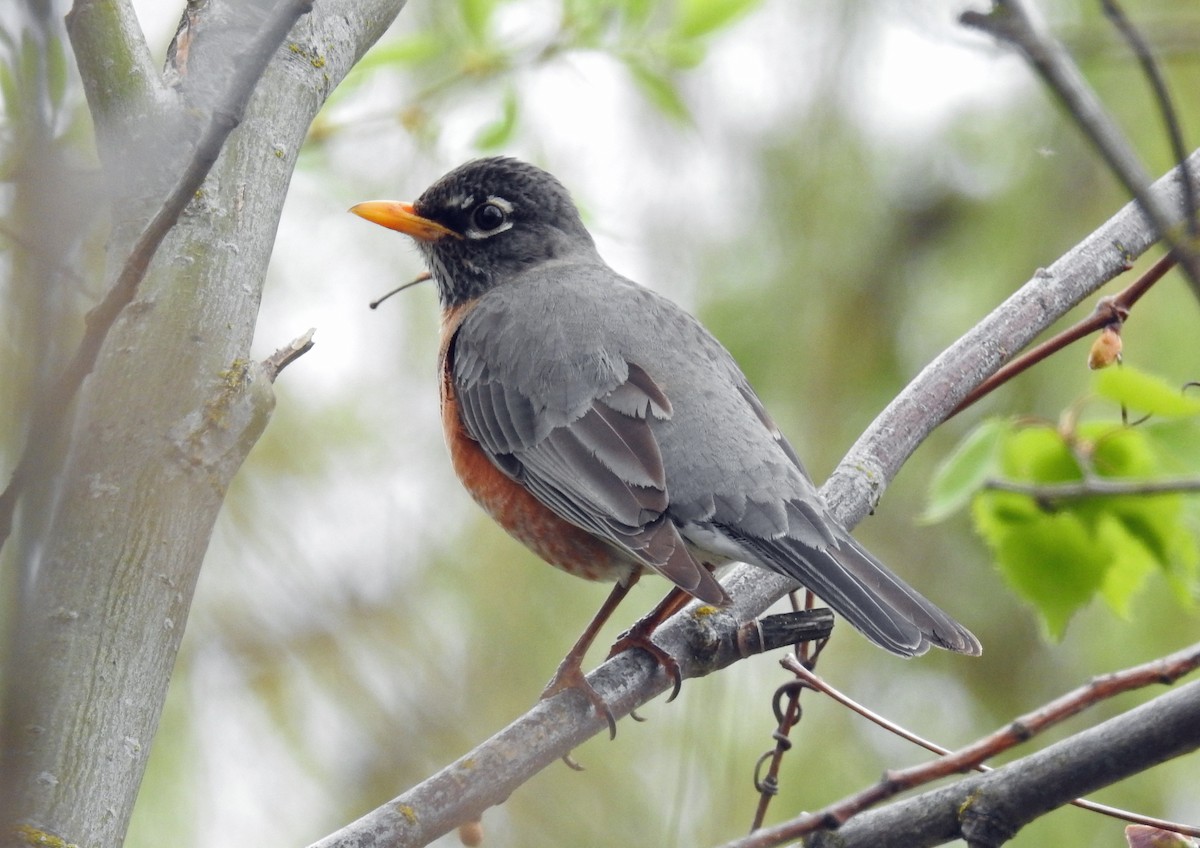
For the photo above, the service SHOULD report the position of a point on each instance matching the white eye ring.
(489, 218)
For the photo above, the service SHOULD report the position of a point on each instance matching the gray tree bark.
(169, 412)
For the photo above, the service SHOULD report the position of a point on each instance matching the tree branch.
(1109, 312)
(288, 354)
(942, 385)
(1047, 493)
(118, 73)
(812, 680)
(1162, 671)
(486, 776)
(50, 410)
(168, 413)
(1010, 22)
(989, 809)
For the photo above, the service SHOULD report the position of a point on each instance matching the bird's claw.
(635, 638)
(570, 676)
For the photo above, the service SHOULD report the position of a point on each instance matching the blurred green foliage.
(464, 48)
(359, 623)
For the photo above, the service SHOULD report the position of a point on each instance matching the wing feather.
(602, 470)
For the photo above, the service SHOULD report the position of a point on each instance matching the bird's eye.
(488, 216)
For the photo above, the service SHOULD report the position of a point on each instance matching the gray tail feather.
(867, 594)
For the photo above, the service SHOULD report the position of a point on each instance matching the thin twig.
(785, 719)
(1165, 670)
(1095, 486)
(50, 411)
(288, 354)
(1009, 21)
(807, 653)
(1109, 311)
(817, 683)
(1159, 86)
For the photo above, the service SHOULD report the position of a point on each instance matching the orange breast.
(510, 505)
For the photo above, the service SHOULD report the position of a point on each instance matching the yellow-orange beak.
(402, 217)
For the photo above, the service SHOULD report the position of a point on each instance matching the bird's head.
(486, 222)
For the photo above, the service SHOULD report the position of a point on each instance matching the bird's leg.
(570, 671)
(639, 635)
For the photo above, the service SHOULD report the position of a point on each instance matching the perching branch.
(487, 775)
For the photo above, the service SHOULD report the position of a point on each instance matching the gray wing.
(794, 534)
(597, 465)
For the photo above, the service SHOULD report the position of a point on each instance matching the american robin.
(606, 429)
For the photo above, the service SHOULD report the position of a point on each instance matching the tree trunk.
(169, 412)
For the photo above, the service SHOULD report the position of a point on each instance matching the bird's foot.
(570, 676)
(638, 636)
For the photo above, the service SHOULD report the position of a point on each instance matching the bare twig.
(1109, 311)
(817, 683)
(423, 277)
(786, 718)
(1165, 671)
(1094, 486)
(1159, 86)
(1010, 22)
(288, 354)
(51, 409)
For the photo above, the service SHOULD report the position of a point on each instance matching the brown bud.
(471, 834)
(1106, 349)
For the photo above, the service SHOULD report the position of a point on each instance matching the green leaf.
(497, 134)
(1175, 441)
(1052, 560)
(1131, 565)
(477, 16)
(659, 90)
(1155, 521)
(1144, 392)
(1058, 555)
(1039, 455)
(961, 474)
(1118, 450)
(701, 17)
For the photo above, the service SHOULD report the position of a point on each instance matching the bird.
(608, 430)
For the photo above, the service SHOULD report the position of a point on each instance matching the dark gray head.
(485, 222)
